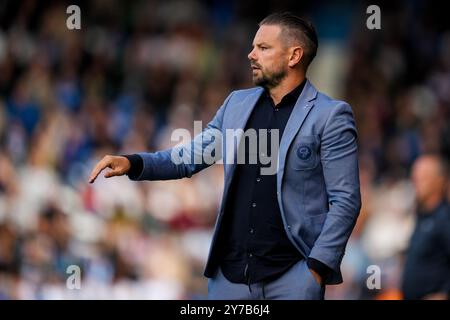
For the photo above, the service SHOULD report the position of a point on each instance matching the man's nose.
(251, 55)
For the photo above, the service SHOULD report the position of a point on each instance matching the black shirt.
(254, 243)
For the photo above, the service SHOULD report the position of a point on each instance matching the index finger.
(102, 164)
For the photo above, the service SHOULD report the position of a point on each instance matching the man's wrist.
(320, 268)
(136, 165)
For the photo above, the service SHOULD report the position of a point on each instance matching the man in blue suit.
(280, 234)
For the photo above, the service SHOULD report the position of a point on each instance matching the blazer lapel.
(238, 120)
(244, 108)
(302, 107)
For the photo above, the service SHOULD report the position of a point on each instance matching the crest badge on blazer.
(304, 152)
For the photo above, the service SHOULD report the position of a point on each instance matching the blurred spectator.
(427, 267)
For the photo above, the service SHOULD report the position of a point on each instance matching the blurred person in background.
(427, 267)
(264, 247)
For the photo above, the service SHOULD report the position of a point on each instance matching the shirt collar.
(293, 95)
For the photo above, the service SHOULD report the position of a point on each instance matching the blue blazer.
(317, 174)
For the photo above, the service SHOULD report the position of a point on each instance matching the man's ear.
(296, 55)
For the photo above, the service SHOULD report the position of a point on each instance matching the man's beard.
(269, 81)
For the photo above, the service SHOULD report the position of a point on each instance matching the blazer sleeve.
(187, 159)
(341, 173)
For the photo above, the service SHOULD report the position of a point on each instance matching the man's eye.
(263, 48)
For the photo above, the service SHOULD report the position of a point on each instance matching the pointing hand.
(119, 165)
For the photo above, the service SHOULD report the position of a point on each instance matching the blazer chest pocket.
(304, 153)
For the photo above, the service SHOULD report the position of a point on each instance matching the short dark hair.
(296, 28)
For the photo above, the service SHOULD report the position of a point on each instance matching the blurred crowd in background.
(139, 69)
